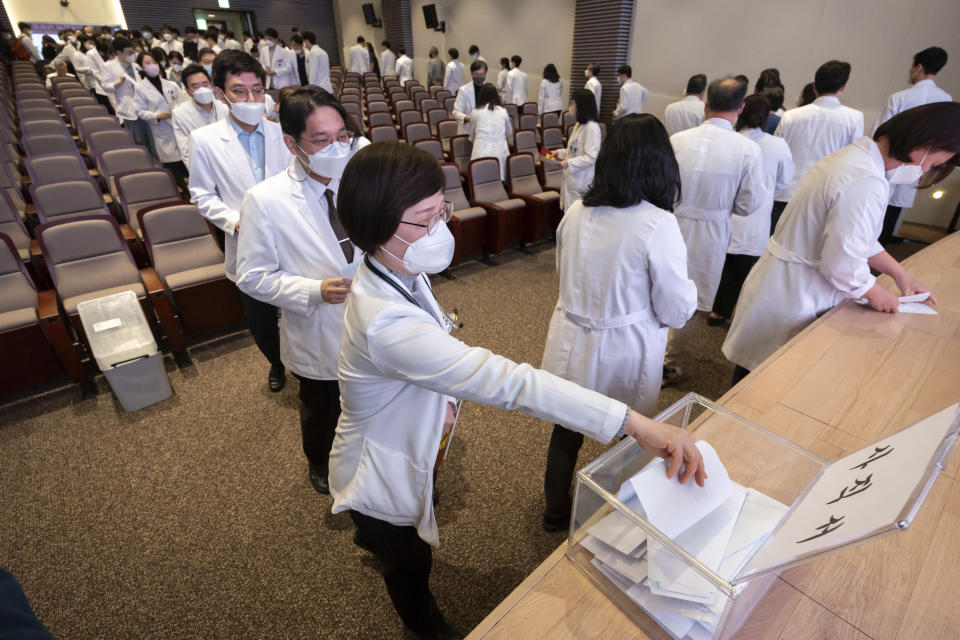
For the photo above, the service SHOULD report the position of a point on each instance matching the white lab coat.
(397, 369)
(516, 87)
(463, 106)
(923, 92)
(283, 62)
(683, 114)
(581, 156)
(248, 44)
(188, 117)
(318, 68)
(150, 102)
(173, 45)
(550, 97)
(220, 174)
(632, 95)
(232, 43)
(286, 248)
(388, 63)
(721, 174)
(489, 129)
(623, 282)
(94, 81)
(749, 234)
(502, 76)
(359, 59)
(404, 68)
(818, 255)
(453, 76)
(814, 131)
(122, 96)
(593, 86)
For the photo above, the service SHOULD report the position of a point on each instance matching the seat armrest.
(47, 309)
(53, 327)
(151, 281)
(489, 206)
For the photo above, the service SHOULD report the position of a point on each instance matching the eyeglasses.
(242, 94)
(344, 137)
(443, 214)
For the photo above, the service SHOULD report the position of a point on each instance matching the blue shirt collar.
(240, 131)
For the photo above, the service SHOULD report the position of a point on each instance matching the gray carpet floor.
(194, 518)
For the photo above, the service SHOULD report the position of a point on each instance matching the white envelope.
(620, 581)
(631, 568)
(911, 304)
(674, 623)
(758, 517)
(619, 532)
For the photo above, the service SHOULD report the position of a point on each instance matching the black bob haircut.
(380, 182)
(932, 59)
(754, 115)
(586, 105)
(696, 84)
(296, 107)
(635, 163)
(831, 76)
(235, 62)
(625, 70)
(473, 49)
(453, 53)
(726, 94)
(309, 36)
(193, 69)
(934, 126)
(775, 96)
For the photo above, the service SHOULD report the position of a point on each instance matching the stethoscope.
(452, 323)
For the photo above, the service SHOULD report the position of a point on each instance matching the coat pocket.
(389, 482)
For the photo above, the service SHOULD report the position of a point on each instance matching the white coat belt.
(613, 322)
(702, 214)
(778, 251)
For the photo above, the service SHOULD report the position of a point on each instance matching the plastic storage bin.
(125, 350)
(720, 599)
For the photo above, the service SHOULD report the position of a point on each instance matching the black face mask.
(477, 84)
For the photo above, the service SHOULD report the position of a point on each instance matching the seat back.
(384, 133)
(106, 139)
(418, 98)
(56, 166)
(442, 95)
(529, 108)
(449, 103)
(484, 177)
(460, 148)
(35, 103)
(71, 91)
(378, 106)
(16, 287)
(44, 127)
(100, 123)
(12, 225)
(435, 116)
(553, 138)
(80, 112)
(380, 118)
(404, 105)
(453, 189)
(568, 119)
(408, 117)
(446, 129)
(525, 141)
(427, 104)
(416, 131)
(86, 254)
(177, 238)
(551, 119)
(145, 188)
(67, 199)
(522, 175)
(513, 111)
(38, 113)
(528, 121)
(114, 161)
(431, 146)
(552, 173)
(48, 143)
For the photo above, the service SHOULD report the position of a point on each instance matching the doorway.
(235, 21)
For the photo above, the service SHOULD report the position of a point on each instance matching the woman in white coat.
(749, 234)
(490, 127)
(551, 91)
(400, 370)
(826, 242)
(580, 156)
(154, 99)
(623, 282)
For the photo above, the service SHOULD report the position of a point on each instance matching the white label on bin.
(112, 323)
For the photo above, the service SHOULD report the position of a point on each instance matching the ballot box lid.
(116, 329)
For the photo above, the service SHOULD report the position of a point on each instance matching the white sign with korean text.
(861, 493)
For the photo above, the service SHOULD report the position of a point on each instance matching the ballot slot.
(692, 563)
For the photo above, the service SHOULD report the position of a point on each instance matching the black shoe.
(554, 526)
(318, 478)
(436, 497)
(671, 376)
(715, 321)
(277, 378)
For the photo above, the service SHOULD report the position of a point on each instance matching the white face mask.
(907, 173)
(132, 58)
(249, 113)
(152, 70)
(91, 46)
(330, 161)
(428, 253)
(168, 37)
(271, 43)
(177, 67)
(148, 37)
(72, 40)
(203, 95)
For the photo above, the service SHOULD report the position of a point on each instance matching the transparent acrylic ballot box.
(785, 506)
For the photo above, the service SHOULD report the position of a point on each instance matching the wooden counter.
(849, 379)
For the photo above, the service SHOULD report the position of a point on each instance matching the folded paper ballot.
(911, 304)
(721, 525)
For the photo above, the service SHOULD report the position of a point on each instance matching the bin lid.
(116, 328)
(874, 491)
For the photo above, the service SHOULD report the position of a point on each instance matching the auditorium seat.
(544, 205)
(143, 189)
(525, 142)
(56, 167)
(431, 146)
(379, 119)
(11, 225)
(383, 133)
(551, 174)
(468, 224)
(460, 149)
(90, 125)
(48, 143)
(446, 130)
(99, 141)
(44, 127)
(116, 161)
(552, 138)
(529, 108)
(434, 116)
(416, 131)
(450, 103)
(67, 199)
(427, 104)
(507, 216)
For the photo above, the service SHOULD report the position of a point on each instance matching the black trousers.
(561, 465)
(319, 413)
(105, 101)
(736, 267)
(263, 324)
(404, 560)
(889, 223)
(180, 174)
(739, 373)
(778, 208)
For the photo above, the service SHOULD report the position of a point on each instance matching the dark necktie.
(342, 238)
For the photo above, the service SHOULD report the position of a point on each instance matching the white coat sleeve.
(888, 112)
(508, 125)
(203, 189)
(542, 96)
(460, 107)
(591, 147)
(144, 109)
(785, 170)
(413, 348)
(857, 129)
(258, 265)
(752, 192)
(473, 125)
(182, 136)
(109, 79)
(850, 236)
(672, 294)
(620, 100)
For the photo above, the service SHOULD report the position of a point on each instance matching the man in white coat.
(722, 174)
(404, 66)
(926, 65)
(201, 109)
(318, 62)
(516, 83)
(120, 78)
(466, 100)
(593, 83)
(388, 60)
(819, 128)
(227, 158)
(292, 253)
(170, 42)
(453, 74)
(279, 64)
(632, 94)
(687, 113)
(359, 57)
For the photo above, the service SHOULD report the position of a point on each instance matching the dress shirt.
(252, 143)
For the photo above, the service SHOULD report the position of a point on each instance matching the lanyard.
(403, 290)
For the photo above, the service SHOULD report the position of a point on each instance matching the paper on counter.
(672, 507)
(911, 304)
